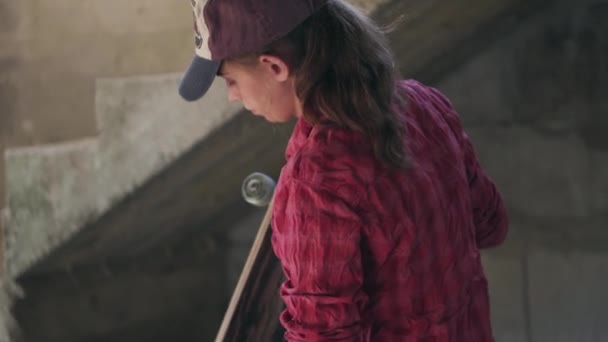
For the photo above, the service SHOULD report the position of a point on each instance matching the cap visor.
(198, 78)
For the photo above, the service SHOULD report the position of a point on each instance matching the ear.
(275, 66)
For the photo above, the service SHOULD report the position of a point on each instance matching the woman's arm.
(316, 236)
(489, 212)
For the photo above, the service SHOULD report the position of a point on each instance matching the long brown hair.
(345, 75)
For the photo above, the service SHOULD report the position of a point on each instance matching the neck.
(299, 108)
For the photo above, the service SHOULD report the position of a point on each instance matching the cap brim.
(198, 78)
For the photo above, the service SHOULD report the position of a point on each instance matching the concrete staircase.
(55, 190)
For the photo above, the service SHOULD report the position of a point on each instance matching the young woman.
(382, 207)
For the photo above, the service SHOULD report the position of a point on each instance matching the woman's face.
(265, 87)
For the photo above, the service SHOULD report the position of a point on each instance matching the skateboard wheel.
(258, 189)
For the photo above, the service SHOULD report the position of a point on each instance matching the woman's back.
(431, 284)
(417, 232)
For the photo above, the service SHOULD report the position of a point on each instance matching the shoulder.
(420, 95)
(332, 160)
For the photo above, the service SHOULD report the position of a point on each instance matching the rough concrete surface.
(65, 45)
(530, 123)
(528, 103)
(143, 126)
(51, 54)
(167, 295)
(568, 297)
(239, 243)
(51, 191)
(598, 181)
(507, 285)
(2, 176)
(539, 176)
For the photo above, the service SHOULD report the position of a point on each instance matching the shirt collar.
(300, 134)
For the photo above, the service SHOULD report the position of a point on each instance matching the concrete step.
(55, 190)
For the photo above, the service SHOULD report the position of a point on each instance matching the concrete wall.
(174, 293)
(535, 106)
(89, 108)
(83, 129)
(53, 51)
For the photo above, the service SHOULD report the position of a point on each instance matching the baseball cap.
(230, 28)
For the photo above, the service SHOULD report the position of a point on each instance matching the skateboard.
(254, 308)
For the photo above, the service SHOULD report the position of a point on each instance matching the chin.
(275, 118)
(279, 120)
(272, 120)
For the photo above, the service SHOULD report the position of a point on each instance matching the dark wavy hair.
(346, 76)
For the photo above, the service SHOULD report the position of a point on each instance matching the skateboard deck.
(253, 311)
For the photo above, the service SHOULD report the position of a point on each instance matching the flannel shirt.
(372, 253)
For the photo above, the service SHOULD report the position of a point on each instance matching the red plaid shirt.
(374, 254)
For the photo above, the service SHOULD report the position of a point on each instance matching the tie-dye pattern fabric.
(374, 254)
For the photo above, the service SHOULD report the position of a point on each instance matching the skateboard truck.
(258, 189)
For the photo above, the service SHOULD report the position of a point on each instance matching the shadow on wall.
(564, 68)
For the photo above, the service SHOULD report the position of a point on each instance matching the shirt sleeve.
(489, 212)
(316, 236)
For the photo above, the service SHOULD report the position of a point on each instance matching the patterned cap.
(230, 28)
